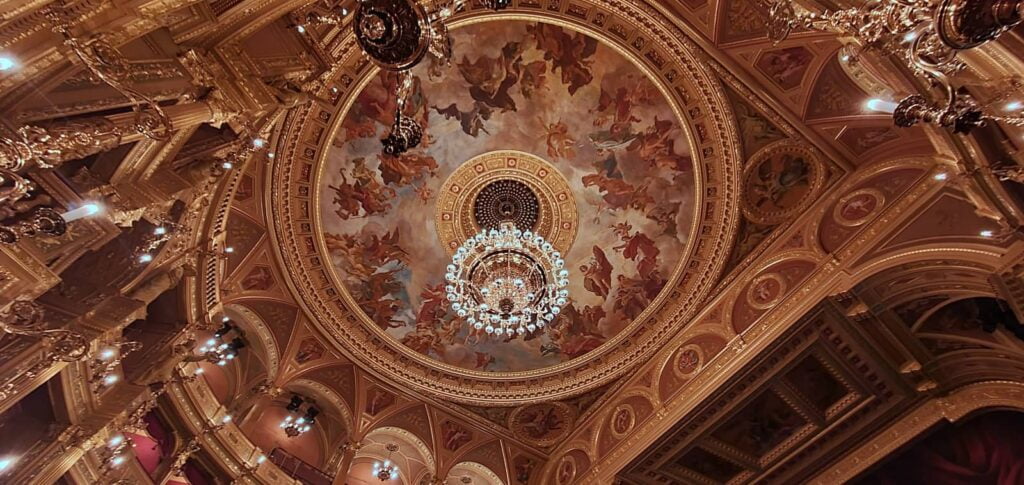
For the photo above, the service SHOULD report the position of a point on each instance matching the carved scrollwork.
(108, 65)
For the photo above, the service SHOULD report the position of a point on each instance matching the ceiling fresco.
(516, 85)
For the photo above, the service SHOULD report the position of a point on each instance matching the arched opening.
(984, 449)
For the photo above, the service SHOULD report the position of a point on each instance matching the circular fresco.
(781, 180)
(606, 132)
(543, 424)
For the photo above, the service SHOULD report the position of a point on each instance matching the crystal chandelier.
(926, 35)
(387, 470)
(219, 350)
(507, 281)
(294, 426)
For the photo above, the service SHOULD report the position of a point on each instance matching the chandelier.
(926, 35)
(507, 281)
(294, 426)
(397, 35)
(387, 470)
(219, 349)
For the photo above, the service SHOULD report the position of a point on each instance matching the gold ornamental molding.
(557, 220)
(674, 65)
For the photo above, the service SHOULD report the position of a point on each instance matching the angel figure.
(424, 193)
(472, 121)
(560, 143)
(491, 78)
(597, 274)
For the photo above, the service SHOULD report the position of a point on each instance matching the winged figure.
(491, 78)
(597, 274)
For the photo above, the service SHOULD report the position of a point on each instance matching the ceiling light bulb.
(84, 211)
(301, 29)
(6, 463)
(986, 233)
(226, 418)
(227, 165)
(258, 142)
(229, 250)
(199, 371)
(145, 258)
(225, 319)
(941, 176)
(115, 441)
(110, 379)
(261, 458)
(118, 460)
(1014, 106)
(876, 104)
(6, 63)
(107, 354)
(160, 230)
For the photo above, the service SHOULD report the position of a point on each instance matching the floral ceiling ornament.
(397, 35)
(507, 281)
(926, 35)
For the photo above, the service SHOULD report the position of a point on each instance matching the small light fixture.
(260, 459)
(110, 379)
(941, 176)
(271, 155)
(145, 258)
(160, 230)
(882, 105)
(226, 419)
(227, 165)
(6, 63)
(85, 210)
(344, 11)
(301, 29)
(229, 249)
(6, 463)
(200, 371)
(107, 353)
(1014, 106)
(117, 460)
(258, 142)
(115, 441)
(987, 233)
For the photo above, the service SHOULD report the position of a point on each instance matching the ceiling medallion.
(506, 186)
(506, 200)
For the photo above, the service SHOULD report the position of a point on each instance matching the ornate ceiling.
(769, 283)
(593, 110)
